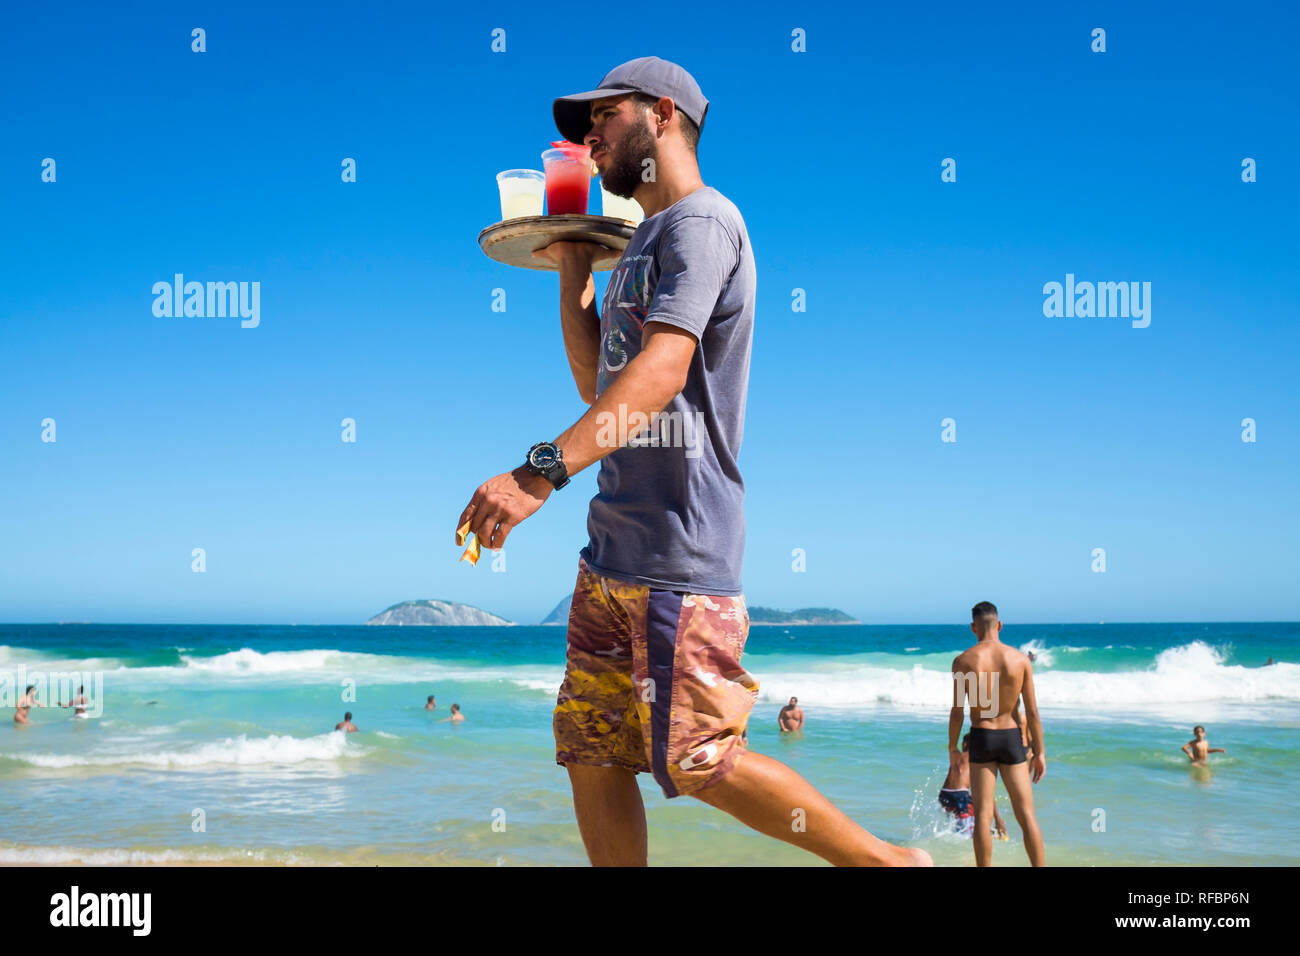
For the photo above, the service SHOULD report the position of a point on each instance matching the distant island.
(561, 613)
(433, 613)
(804, 615)
(436, 613)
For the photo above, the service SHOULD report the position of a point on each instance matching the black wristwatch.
(545, 459)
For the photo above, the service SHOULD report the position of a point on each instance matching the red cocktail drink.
(568, 179)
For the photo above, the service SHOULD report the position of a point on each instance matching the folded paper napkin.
(471, 552)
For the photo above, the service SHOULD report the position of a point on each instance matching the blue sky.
(924, 302)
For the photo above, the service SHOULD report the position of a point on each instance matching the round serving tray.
(514, 240)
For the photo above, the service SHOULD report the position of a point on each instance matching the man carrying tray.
(658, 623)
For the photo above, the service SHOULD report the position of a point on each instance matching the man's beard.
(623, 175)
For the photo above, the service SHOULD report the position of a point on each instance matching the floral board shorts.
(653, 683)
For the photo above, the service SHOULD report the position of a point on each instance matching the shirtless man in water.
(1198, 749)
(346, 725)
(1005, 677)
(25, 704)
(791, 717)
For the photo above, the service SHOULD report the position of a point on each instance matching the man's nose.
(590, 140)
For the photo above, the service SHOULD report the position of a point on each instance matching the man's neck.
(670, 187)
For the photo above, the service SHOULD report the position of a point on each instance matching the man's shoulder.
(707, 203)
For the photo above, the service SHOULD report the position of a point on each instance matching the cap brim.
(573, 112)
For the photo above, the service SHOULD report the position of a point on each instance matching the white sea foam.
(1187, 674)
(247, 666)
(550, 685)
(57, 855)
(1042, 654)
(249, 661)
(37, 660)
(238, 751)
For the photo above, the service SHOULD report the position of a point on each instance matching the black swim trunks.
(996, 746)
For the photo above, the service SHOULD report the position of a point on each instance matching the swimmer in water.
(1198, 749)
(80, 702)
(346, 724)
(25, 704)
(431, 703)
(790, 719)
(456, 716)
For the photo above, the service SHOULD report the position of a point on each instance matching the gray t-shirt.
(668, 509)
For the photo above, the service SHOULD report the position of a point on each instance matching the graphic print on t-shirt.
(622, 316)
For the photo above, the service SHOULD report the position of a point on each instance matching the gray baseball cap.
(646, 74)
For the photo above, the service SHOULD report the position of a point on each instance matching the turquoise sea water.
(236, 722)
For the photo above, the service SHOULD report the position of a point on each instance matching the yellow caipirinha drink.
(522, 192)
(620, 208)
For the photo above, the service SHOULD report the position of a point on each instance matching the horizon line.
(855, 623)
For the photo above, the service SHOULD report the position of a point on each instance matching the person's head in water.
(984, 618)
(1198, 731)
(630, 129)
(81, 689)
(455, 708)
(348, 715)
(430, 699)
(30, 688)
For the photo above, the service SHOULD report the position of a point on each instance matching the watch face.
(543, 457)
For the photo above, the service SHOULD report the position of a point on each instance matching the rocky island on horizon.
(803, 615)
(438, 613)
(434, 613)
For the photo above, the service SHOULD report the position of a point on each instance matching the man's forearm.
(643, 388)
(581, 325)
(956, 717)
(1036, 734)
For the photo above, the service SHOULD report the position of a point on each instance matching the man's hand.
(1038, 767)
(573, 258)
(502, 502)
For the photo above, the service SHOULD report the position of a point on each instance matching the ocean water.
(214, 744)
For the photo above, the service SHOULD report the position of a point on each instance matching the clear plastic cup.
(568, 179)
(522, 191)
(620, 208)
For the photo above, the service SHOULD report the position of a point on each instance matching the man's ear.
(999, 627)
(664, 110)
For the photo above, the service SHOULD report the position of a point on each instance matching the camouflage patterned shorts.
(653, 683)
